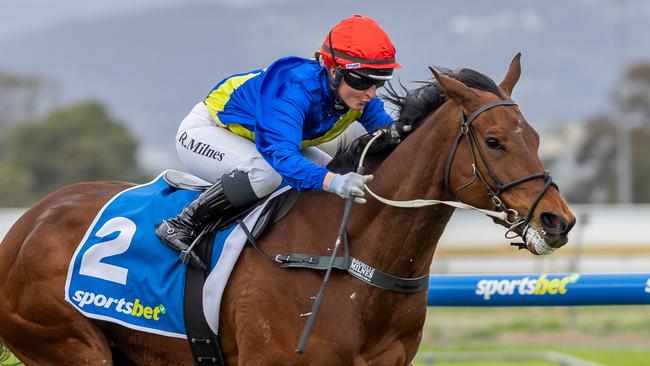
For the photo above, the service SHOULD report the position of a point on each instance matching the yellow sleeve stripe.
(344, 122)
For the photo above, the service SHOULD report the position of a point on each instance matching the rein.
(508, 215)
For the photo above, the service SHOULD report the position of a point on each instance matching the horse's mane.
(412, 108)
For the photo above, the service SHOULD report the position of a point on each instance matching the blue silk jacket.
(287, 107)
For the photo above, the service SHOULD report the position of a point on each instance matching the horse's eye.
(493, 143)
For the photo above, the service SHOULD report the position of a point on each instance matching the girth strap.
(358, 269)
(203, 342)
(355, 267)
(304, 260)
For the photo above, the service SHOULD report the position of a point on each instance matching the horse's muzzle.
(550, 233)
(555, 228)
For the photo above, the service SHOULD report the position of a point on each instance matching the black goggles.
(360, 82)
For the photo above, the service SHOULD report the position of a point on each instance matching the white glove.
(350, 185)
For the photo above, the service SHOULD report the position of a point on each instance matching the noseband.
(467, 130)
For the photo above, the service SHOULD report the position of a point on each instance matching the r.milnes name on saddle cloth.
(362, 269)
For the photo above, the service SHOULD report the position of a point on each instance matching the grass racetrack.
(607, 335)
(11, 361)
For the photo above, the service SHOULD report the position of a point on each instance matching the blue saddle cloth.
(122, 273)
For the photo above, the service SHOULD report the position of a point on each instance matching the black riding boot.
(179, 232)
(232, 191)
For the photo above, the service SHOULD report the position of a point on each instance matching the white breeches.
(210, 151)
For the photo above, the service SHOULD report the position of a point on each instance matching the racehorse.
(468, 138)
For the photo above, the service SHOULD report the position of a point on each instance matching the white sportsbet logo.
(133, 308)
(525, 286)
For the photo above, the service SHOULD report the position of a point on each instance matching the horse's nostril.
(571, 224)
(553, 223)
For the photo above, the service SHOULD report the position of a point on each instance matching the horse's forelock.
(476, 80)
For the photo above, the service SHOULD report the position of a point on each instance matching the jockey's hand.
(395, 133)
(350, 185)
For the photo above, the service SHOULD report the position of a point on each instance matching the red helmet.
(358, 42)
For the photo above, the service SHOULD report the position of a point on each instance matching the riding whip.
(306, 331)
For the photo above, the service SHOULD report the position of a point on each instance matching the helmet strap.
(333, 83)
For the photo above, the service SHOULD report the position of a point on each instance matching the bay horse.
(264, 306)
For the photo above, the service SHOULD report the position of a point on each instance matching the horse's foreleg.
(396, 353)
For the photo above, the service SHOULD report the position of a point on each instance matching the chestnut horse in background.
(264, 305)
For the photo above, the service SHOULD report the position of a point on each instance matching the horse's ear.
(512, 76)
(456, 90)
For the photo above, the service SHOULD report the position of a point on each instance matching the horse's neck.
(402, 241)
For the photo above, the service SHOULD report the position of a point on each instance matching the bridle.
(500, 209)
(467, 131)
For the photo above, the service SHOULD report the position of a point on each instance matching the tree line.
(596, 162)
(41, 152)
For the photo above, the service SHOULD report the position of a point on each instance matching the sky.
(24, 16)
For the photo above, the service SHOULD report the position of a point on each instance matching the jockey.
(256, 129)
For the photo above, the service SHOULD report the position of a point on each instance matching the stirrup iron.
(187, 255)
